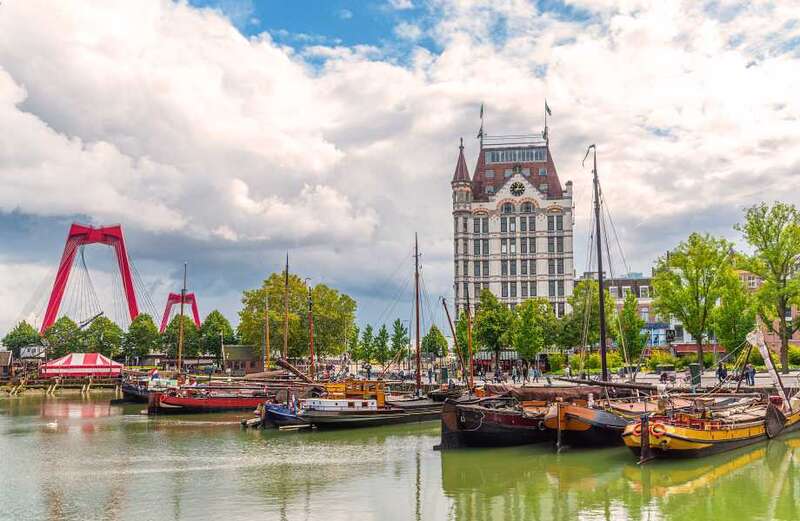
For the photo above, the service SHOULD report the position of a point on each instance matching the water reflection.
(112, 463)
(759, 482)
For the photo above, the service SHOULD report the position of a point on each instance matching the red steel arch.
(175, 298)
(79, 235)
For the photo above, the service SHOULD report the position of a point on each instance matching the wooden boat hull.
(135, 393)
(468, 424)
(366, 418)
(583, 426)
(161, 403)
(280, 416)
(685, 442)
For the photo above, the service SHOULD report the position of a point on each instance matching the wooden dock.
(55, 386)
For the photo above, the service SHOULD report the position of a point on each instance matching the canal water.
(84, 459)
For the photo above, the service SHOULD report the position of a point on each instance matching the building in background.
(513, 224)
(752, 282)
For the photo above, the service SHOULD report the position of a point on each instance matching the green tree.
(534, 327)
(366, 347)
(434, 343)
(63, 337)
(689, 280)
(399, 340)
(735, 316)
(214, 329)
(492, 323)
(382, 352)
(353, 339)
(142, 337)
(22, 335)
(627, 328)
(103, 336)
(585, 316)
(334, 316)
(774, 233)
(191, 337)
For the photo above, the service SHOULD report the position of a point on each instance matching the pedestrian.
(514, 374)
(430, 375)
(722, 372)
(751, 375)
(368, 367)
(531, 373)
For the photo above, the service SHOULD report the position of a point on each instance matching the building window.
(524, 267)
(531, 244)
(543, 171)
(464, 225)
(485, 247)
(503, 224)
(489, 174)
(485, 268)
(551, 266)
(625, 291)
(551, 223)
(551, 288)
(560, 244)
(504, 289)
(551, 245)
(466, 268)
(540, 155)
(485, 224)
(507, 208)
(526, 172)
(613, 291)
(508, 172)
(455, 268)
(512, 246)
(646, 314)
(523, 243)
(464, 246)
(466, 290)
(490, 189)
(513, 266)
(560, 266)
(532, 223)
(533, 266)
(512, 224)
(527, 208)
(560, 309)
(476, 247)
(542, 187)
(503, 268)
(560, 285)
(523, 224)
(476, 268)
(476, 290)
(513, 290)
(524, 288)
(476, 225)
(644, 292)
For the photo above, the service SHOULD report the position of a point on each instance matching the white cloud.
(345, 14)
(173, 122)
(408, 31)
(401, 4)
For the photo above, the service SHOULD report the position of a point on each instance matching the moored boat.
(184, 401)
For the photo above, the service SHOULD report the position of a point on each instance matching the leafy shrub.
(614, 359)
(662, 358)
(755, 357)
(557, 361)
(794, 355)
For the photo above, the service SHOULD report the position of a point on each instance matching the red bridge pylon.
(175, 298)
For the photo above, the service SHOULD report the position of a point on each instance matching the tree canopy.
(103, 336)
(22, 335)
(690, 279)
(492, 324)
(63, 337)
(434, 342)
(534, 327)
(582, 324)
(735, 316)
(334, 316)
(142, 337)
(214, 330)
(191, 337)
(627, 325)
(774, 234)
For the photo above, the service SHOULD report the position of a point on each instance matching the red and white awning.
(82, 365)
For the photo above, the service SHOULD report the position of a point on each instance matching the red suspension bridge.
(73, 292)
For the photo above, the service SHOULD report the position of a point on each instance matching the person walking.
(430, 375)
(514, 374)
(722, 373)
(751, 375)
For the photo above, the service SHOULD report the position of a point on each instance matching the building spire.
(462, 173)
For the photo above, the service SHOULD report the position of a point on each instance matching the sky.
(225, 133)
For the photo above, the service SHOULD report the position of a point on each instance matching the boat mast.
(311, 333)
(180, 322)
(416, 304)
(471, 381)
(266, 354)
(286, 310)
(598, 237)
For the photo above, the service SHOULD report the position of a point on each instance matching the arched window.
(507, 208)
(527, 208)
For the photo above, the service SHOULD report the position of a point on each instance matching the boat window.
(351, 404)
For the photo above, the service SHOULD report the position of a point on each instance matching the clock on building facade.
(517, 189)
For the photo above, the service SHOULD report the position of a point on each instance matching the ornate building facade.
(513, 224)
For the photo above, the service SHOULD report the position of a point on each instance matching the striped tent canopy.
(81, 365)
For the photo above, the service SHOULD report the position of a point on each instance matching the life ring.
(541, 425)
(658, 430)
(637, 429)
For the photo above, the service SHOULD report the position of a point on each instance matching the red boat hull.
(166, 403)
